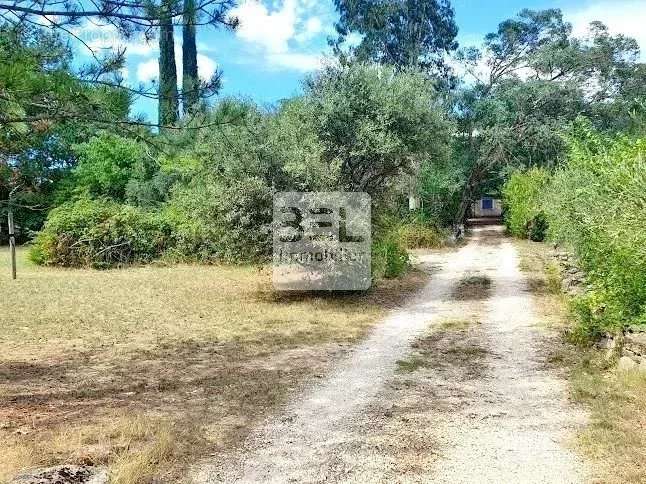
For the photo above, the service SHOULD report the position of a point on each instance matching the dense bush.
(596, 205)
(100, 234)
(440, 187)
(389, 255)
(355, 128)
(222, 208)
(228, 222)
(420, 235)
(107, 163)
(522, 198)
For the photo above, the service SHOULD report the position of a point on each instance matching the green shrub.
(418, 235)
(588, 311)
(107, 163)
(222, 209)
(522, 198)
(537, 227)
(100, 234)
(596, 205)
(215, 221)
(389, 256)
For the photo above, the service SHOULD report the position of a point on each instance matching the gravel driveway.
(420, 402)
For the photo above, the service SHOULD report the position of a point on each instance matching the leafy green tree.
(377, 125)
(39, 88)
(44, 110)
(107, 163)
(531, 79)
(129, 18)
(409, 33)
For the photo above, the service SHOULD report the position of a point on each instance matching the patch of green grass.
(417, 235)
(456, 325)
(553, 278)
(412, 364)
(544, 283)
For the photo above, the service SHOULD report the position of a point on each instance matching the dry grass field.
(148, 369)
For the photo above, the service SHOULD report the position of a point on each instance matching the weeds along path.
(422, 399)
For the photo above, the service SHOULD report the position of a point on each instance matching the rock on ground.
(64, 474)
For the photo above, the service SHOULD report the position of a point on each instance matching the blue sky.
(280, 41)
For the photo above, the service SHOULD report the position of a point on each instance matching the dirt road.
(452, 388)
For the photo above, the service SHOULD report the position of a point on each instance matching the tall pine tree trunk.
(190, 80)
(168, 99)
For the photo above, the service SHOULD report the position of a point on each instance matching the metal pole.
(12, 242)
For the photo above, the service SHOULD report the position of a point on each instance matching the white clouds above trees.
(620, 16)
(272, 33)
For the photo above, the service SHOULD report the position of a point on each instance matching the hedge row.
(595, 204)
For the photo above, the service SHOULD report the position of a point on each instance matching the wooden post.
(12, 243)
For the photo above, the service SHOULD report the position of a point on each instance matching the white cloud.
(141, 47)
(149, 70)
(206, 66)
(312, 27)
(621, 16)
(269, 29)
(268, 32)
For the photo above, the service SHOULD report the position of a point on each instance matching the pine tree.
(190, 81)
(168, 98)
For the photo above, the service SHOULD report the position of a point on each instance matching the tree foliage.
(406, 34)
(523, 199)
(347, 131)
(369, 121)
(108, 163)
(596, 206)
(531, 79)
(36, 86)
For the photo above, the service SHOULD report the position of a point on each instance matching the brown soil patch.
(472, 288)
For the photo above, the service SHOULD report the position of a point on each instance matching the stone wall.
(572, 277)
(629, 347)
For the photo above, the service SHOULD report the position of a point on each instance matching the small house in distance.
(487, 206)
